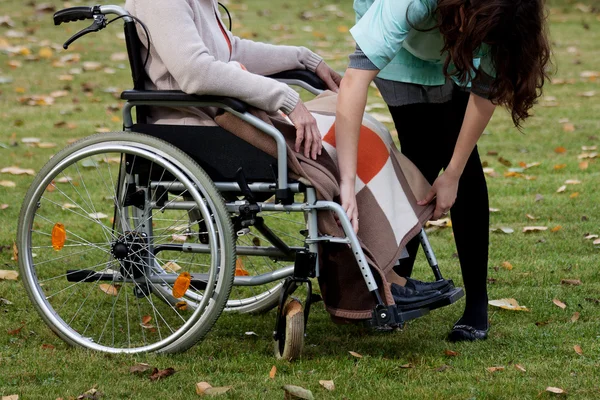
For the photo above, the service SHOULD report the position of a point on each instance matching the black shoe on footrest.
(419, 286)
(404, 296)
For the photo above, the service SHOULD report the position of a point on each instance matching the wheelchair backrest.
(138, 72)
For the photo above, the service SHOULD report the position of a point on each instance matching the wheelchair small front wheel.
(106, 236)
(290, 344)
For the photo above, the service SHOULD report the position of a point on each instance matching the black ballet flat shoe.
(406, 297)
(466, 333)
(442, 285)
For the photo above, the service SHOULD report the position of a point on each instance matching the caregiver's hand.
(306, 131)
(348, 197)
(444, 192)
(331, 78)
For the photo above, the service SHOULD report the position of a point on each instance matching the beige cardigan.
(189, 52)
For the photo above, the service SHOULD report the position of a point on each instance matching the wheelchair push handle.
(73, 14)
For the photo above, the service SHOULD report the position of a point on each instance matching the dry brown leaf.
(508, 304)
(17, 171)
(329, 385)
(355, 354)
(589, 93)
(109, 289)
(572, 182)
(531, 217)
(568, 127)
(559, 303)
(494, 369)
(590, 237)
(11, 397)
(14, 332)
(217, 391)
(406, 366)
(596, 242)
(560, 149)
(555, 390)
(161, 373)
(440, 223)
(584, 165)
(575, 316)
(451, 353)
(574, 195)
(9, 275)
(273, 372)
(201, 387)
(297, 392)
(589, 148)
(8, 184)
(98, 215)
(48, 347)
(15, 249)
(171, 266)
(507, 265)
(521, 368)
(139, 368)
(181, 305)
(146, 319)
(179, 238)
(559, 166)
(503, 229)
(239, 268)
(572, 282)
(578, 349)
(556, 229)
(3, 206)
(561, 189)
(528, 229)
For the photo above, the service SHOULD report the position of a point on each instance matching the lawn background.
(541, 340)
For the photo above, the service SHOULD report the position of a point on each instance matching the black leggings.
(428, 134)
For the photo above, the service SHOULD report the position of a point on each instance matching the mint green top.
(401, 52)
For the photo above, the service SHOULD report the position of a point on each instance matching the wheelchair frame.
(305, 258)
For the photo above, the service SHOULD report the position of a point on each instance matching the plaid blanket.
(387, 186)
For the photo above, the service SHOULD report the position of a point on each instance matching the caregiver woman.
(442, 66)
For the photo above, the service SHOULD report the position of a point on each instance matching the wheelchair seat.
(219, 152)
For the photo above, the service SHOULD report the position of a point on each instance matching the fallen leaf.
(506, 265)
(493, 210)
(9, 275)
(329, 385)
(181, 305)
(297, 392)
(583, 165)
(572, 182)
(15, 332)
(11, 397)
(560, 150)
(574, 195)
(561, 189)
(589, 93)
(520, 368)
(98, 215)
(406, 366)
(171, 266)
(538, 197)
(139, 368)
(559, 303)
(572, 282)
(596, 242)
(451, 353)
(556, 229)
(442, 368)
(590, 237)
(559, 166)
(589, 148)
(109, 289)
(578, 349)
(161, 373)
(528, 229)
(355, 354)
(239, 268)
(15, 250)
(179, 238)
(568, 127)
(508, 304)
(273, 372)
(146, 319)
(575, 316)
(531, 217)
(5, 302)
(440, 223)
(494, 369)
(17, 171)
(48, 347)
(555, 390)
(504, 161)
(7, 184)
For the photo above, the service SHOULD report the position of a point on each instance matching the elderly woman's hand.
(331, 78)
(307, 131)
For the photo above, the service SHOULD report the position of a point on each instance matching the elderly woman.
(191, 50)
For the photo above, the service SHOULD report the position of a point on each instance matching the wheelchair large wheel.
(109, 249)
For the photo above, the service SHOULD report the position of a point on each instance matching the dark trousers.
(428, 134)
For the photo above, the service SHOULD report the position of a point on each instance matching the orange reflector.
(59, 236)
(239, 268)
(182, 284)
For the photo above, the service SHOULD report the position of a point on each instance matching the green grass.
(229, 357)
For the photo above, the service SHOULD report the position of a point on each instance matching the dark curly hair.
(515, 31)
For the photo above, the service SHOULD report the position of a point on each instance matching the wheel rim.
(110, 318)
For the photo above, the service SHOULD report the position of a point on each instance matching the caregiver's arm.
(351, 103)
(478, 114)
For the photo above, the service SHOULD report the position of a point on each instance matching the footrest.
(447, 298)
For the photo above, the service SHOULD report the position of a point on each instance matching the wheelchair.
(137, 241)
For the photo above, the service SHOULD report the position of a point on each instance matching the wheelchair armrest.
(305, 76)
(179, 96)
